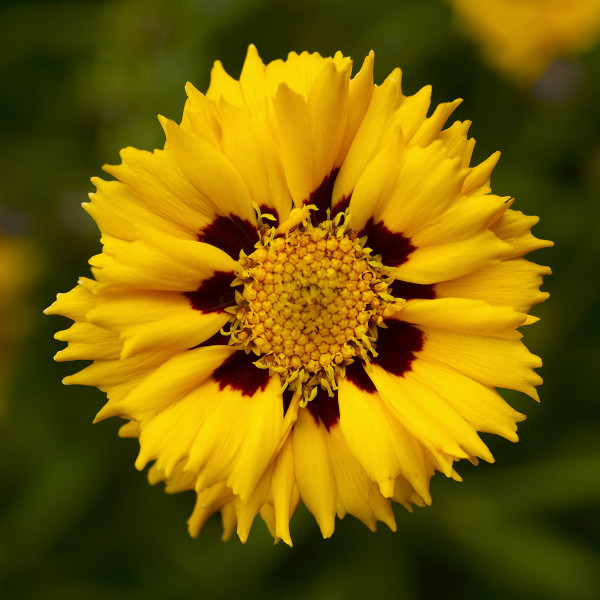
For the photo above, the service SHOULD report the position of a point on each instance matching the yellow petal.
(217, 183)
(300, 71)
(491, 361)
(168, 435)
(432, 264)
(130, 430)
(430, 128)
(222, 85)
(311, 130)
(313, 471)
(88, 342)
(118, 212)
(510, 283)
(207, 503)
(406, 188)
(404, 494)
(514, 228)
(293, 122)
(464, 218)
(200, 116)
(380, 443)
(178, 432)
(359, 97)
(253, 80)
(151, 320)
(155, 179)
(239, 436)
(161, 263)
(478, 179)
(246, 511)
(179, 480)
(249, 143)
(267, 514)
(356, 494)
(463, 315)
(412, 112)
(228, 520)
(284, 491)
(328, 111)
(478, 404)
(456, 141)
(370, 135)
(76, 303)
(109, 374)
(431, 420)
(172, 380)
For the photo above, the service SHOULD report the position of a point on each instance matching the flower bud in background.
(522, 38)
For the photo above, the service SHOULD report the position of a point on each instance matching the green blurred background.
(80, 80)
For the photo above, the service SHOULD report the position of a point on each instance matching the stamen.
(297, 216)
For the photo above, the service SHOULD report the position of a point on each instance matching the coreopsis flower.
(307, 295)
(522, 37)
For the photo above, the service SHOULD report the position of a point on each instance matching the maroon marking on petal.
(287, 399)
(321, 197)
(410, 291)
(324, 407)
(269, 210)
(239, 373)
(397, 345)
(356, 374)
(214, 294)
(394, 248)
(341, 206)
(231, 234)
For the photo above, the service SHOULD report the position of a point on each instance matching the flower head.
(307, 295)
(522, 37)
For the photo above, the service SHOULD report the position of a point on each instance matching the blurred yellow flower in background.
(521, 38)
(308, 295)
(16, 273)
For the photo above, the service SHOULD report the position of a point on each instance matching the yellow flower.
(308, 295)
(522, 37)
(16, 273)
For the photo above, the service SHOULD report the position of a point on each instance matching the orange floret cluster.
(311, 302)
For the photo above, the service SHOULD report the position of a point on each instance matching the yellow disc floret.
(312, 300)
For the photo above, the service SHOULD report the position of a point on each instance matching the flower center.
(312, 300)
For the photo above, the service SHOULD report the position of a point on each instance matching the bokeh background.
(80, 80)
